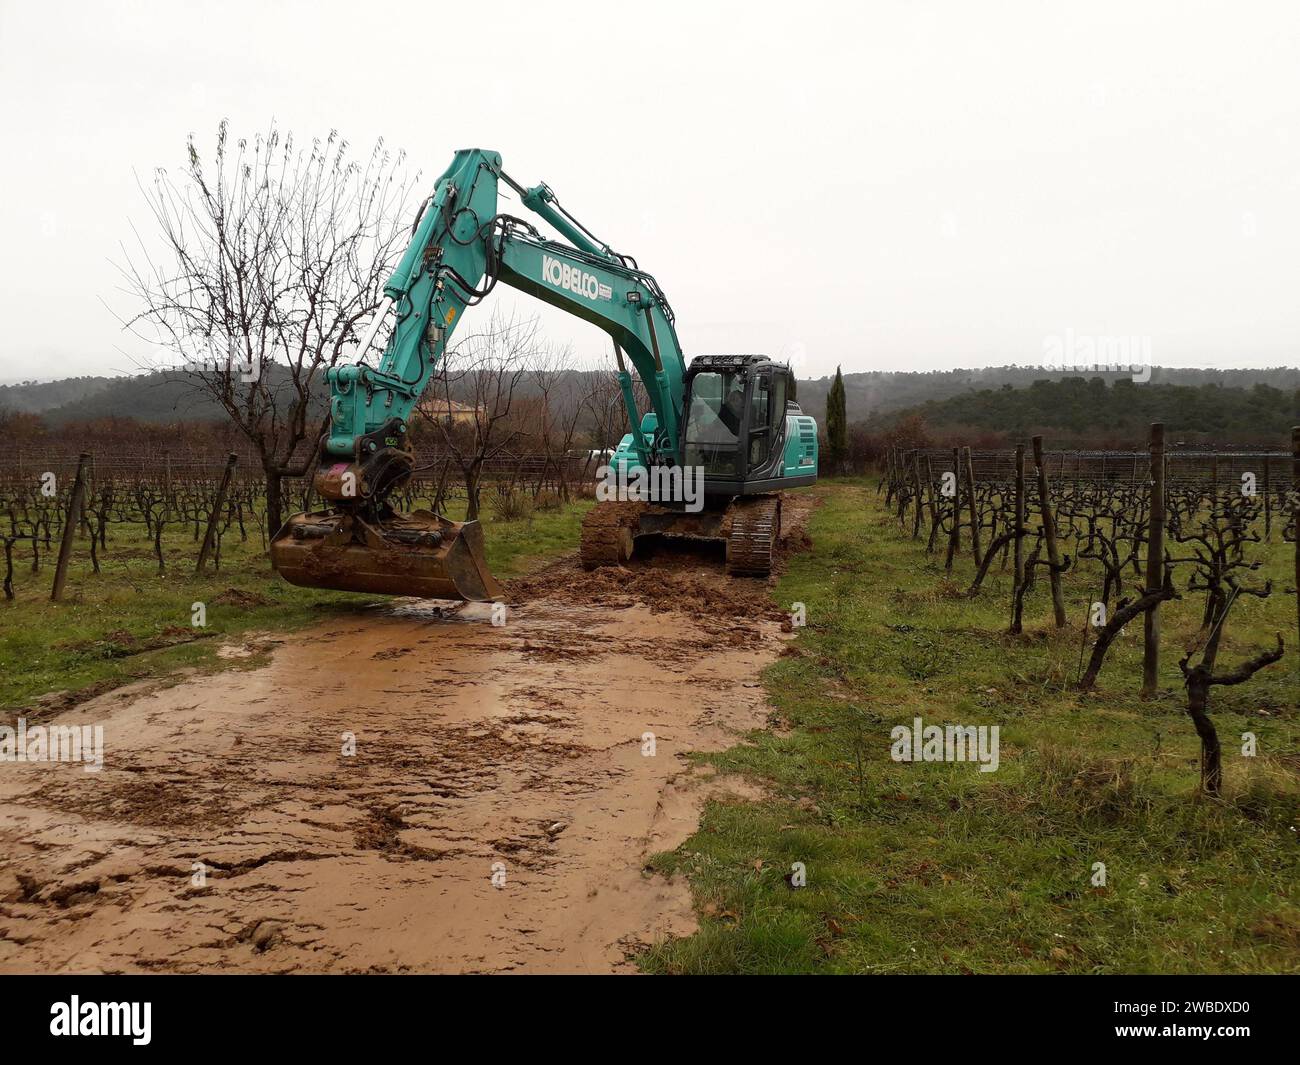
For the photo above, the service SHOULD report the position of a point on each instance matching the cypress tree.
(837, 424)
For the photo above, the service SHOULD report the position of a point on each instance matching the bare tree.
(266, 258)
(605, 402)
(563, 401)
(482, 372)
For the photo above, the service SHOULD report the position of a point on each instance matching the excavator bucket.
(418, 554)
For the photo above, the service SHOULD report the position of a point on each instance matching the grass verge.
(937, 867)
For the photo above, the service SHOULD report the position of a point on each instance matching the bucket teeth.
(419, 554)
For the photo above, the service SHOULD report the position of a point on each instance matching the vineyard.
(146, 497)
(931, 593)
(1138, 529)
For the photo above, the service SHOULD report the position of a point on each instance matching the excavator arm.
(461, 247)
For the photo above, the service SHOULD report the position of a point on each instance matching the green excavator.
(707, 460)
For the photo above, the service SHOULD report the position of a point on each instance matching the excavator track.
(608, 532)
(750, 528)
(755, 526)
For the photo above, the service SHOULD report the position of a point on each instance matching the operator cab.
(735, 423)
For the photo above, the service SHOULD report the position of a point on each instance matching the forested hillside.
(162, 397)
(1092, 408)
(32, 397)
(876, 393)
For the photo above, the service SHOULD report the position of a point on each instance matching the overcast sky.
(886, 185)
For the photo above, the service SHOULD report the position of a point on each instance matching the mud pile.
(673, 577)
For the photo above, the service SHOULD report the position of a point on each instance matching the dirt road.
(508, 784)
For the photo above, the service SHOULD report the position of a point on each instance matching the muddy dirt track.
(479, 750)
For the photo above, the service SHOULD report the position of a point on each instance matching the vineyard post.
(934, 503)
(954, 536)
(901, 475)
(1295, 519)
(1268, 503)
(70, 527)
(83, 526)
(1155, 561)
(1049, 532)
(215, 516)
(974, 507)
(1020, 535)
(916, 488)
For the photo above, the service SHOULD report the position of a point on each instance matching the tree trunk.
(1198, 697)
(472, 476)
(274, 502)
(157, 546)
(1112, 628)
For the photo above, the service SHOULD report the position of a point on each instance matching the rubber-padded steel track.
(755, 526)
(608, 532)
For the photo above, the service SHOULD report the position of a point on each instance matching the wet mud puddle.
(411, 791)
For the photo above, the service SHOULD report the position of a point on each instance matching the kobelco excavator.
(728, 424)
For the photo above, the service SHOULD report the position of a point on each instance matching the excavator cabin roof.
(730, 362)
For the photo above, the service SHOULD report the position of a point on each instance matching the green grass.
(131, 622)
(935, 867)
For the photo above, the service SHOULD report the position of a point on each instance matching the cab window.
(760, 427)
(713, 422)
(777, 415)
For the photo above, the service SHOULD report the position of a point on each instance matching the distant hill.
(168, 396)
(37, 398)
(876, 393)
(1092, 408)
(154, 398)
(1000, 398)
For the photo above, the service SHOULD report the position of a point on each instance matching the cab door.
(765, 421)
(759, 422)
